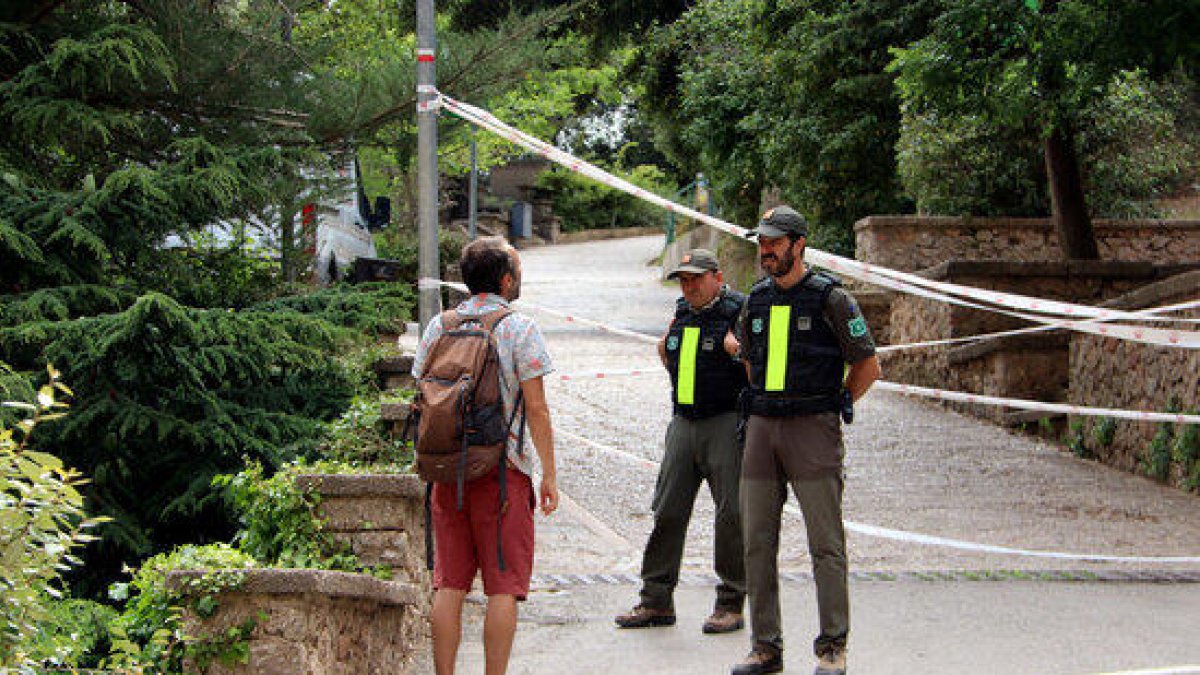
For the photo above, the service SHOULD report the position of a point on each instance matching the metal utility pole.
(429, 295)
(473, 194)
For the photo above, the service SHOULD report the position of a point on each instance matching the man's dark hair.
(484, 261)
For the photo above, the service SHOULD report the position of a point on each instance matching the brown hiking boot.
(723, 621)
(761, 659)
(832, 662)
(646, 617)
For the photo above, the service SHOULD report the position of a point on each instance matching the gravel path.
(911, 465)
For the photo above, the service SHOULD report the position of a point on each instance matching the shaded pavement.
(912, 467)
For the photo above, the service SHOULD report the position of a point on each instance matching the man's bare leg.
(499, 628)
(446, 621)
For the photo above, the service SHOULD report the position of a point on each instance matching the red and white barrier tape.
(1023, 404)
(941, 394)
(917, 537)
(881, 276)
(1151, 314)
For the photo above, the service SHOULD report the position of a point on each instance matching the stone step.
(395, 372)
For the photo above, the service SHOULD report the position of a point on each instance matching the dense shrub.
(169, 397)
(584, 204)
(1133, 143)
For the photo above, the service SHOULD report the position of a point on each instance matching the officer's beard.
(783, 265)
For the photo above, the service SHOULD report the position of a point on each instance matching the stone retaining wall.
(1028, 366)
(912, 243)
(315, 622)
(1111, 373)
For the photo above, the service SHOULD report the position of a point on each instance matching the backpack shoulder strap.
(493, 318)
(451, 320)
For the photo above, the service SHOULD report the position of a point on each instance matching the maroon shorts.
(465, 541)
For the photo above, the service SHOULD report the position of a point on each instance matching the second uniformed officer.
(700, 446)
(797, 334)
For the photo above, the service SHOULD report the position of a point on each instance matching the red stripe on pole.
(425, 58)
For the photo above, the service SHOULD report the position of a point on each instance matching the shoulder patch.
(857, 326)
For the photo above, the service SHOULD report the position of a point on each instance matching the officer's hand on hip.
(732, 345)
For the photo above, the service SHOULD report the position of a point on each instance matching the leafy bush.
(43, 522)
(74, 634)
(170, 397)
(583, 204)
(1156, 462)
(360, 438)
(395, 243)
(279, 525)
(373, 308)
(1103, 431)
(148, 636)
(1132, 146)
(963, 166)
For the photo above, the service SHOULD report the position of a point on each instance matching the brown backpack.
(461, 433)
(458, 412)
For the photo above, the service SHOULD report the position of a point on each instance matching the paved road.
(912, 468)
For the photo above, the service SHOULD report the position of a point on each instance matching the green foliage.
(1069, 72)
(1186, 452)
(585, 204)
(1156, 462)
(791, 95)
(1076, 440)
(360, 438)
(148, 634)
(960, 165)
(1131, 146)
(1103, 431)
(278, 520)
(74, 634)
(42, 522)
(170, 397)
(371, 308)
(396, 243)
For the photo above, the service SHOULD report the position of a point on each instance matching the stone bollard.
(300, 621)
(380, 516)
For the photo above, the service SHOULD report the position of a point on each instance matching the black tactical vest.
(805, 376)
(711, 382)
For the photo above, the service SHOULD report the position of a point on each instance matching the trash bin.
(520, 222)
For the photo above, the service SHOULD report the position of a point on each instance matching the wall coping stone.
(1040, 341)
(330, 583)
(406, 485)
(1154, 294)
(946, 222)
(1108, 269)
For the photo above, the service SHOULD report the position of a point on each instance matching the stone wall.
(912, 243)
(315, 622)
(381, 517)
(1024, 366)
(1111, 373)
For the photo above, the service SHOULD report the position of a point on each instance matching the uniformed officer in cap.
(799, 331)
(700, 446)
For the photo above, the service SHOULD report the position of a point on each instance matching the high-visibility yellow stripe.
(777, 346)
(686, 385)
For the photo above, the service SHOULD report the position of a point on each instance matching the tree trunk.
(1071, 220)
(288, 250)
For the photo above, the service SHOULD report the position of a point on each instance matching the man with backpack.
(701, 446)
(479, 369)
